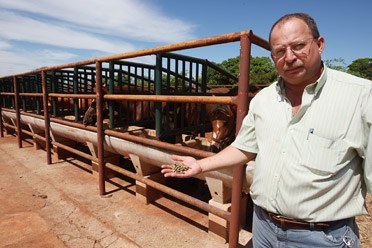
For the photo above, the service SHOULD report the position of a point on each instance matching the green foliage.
(361, 67)
(216, 78)
(336, 64)
(262, 71)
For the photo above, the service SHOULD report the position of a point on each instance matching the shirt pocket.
(320, 156)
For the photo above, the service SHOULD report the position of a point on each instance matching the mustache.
(294, 65)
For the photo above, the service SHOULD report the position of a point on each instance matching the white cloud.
(54, 55)
(16, 27)
(4, 45)
(125, 18)
(23, 61)
(49, 32)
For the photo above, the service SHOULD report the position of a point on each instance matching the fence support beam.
(100, 133)
(244, 68)
(46, 117)
(18, 115)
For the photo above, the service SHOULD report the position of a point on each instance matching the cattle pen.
(47, 106)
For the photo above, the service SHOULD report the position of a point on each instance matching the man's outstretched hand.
(182, 167)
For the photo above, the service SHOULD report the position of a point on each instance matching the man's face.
(296, 54)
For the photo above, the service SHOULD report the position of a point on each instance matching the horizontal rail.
(64, 147)
(75, 151)
(141, 140)
(157, 98)
(7, 93)
(130, 137)
(10, 126)
(31, 94)
(160, 144)
(181, 196)
(171, 98)
(32, 115)
(76, 96)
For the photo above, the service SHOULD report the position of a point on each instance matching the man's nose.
(289, 55)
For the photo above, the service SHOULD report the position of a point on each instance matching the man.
(311, 132)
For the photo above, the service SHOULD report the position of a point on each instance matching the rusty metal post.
(76, 89)
(1, 106)
(54, 101)
(111, 91)
(18, 115)
(242, 109)
(100, 133)
(158, 105)
(46, 118)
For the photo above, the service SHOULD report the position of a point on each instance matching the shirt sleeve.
(368, 153)
(246, 138)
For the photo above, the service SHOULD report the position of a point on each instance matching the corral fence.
(67, 90)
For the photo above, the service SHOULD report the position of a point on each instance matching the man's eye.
(279, 52)
(298, 47)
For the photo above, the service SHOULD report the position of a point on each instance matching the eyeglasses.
(298, 48)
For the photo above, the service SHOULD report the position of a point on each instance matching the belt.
(288, 223)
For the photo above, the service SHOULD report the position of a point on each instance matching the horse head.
(222, 118)
(90, 116)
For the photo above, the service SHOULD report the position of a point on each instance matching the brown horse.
(222, 118)
(124, 111)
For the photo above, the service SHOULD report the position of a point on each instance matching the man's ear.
(320, 43)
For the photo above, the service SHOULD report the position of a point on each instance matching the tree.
(337, 64)
(230, 65)
(361, 67)
(262, 71)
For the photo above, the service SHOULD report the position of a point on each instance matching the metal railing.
(98, 76)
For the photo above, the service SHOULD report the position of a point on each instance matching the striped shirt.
(317, 165)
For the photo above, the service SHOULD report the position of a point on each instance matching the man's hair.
(302, 16)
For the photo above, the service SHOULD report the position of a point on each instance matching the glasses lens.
(298, 48)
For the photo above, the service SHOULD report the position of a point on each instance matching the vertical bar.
(143, 80)
(100, 134)
(197, 77)
(183, 74)
(203, 87)
(168, 73)
(12, 90)
(176, 76)
(54, 90)
(21, 88)
(37, 99)
(75, 100)
(85, 89)
(18, 115)
(135, 79)
(242, 109)
(190, 76)
(46, 117)
(158, 105)
(1, 106)
(111, 91)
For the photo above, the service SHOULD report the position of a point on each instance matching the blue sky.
(52, 32)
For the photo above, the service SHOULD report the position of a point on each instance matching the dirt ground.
(58, 205)
(365, 225)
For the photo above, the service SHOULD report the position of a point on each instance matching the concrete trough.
(147, 161)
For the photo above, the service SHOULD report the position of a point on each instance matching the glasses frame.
(298, 48)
